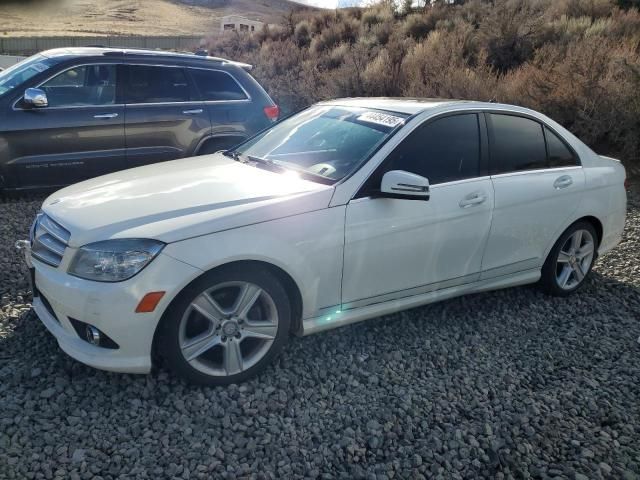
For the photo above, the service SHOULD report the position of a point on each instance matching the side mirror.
(401, 184)
(34, 97)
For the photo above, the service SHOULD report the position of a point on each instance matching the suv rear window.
(150, 84)
(217, 86)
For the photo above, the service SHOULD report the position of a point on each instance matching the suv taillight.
(272, 112)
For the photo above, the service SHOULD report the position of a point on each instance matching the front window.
(326, 143)
(87, 85)
(23, 71)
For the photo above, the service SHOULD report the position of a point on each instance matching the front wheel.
(570, 260)
(226, 327)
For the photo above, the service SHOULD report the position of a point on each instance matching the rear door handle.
(475, 198)
(193, 112)
(106, 116)
(562, 182)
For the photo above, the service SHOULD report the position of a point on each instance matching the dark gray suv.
(71, 114)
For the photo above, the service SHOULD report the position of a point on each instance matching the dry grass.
(129, 17)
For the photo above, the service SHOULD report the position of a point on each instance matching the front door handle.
(562, 182)
(475, 198)
(193, 112)
(106, 116)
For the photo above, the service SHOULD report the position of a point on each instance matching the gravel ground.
(503, 384)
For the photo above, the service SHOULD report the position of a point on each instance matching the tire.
(566, 268)
(209, 312)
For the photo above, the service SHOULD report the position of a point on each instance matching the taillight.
(627, 185)
(272, 112)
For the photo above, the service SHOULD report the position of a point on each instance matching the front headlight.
(114, 260)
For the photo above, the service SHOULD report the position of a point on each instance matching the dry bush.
(437, 68)
(376, 15)
(575, 60)
(417, 26)
(583, 8)
(592, 89)
(302, 33)
(512, 32)
(329, 38)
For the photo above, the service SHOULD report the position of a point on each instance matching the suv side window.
(516, 144)
(215, 85)
(151, 84)
(443, 150)
(559, 154)
(87, 85)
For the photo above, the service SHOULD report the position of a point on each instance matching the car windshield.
(324, 143)
(23, 71)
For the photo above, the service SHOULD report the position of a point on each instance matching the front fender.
(308, 247)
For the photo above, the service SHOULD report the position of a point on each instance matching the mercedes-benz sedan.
(348, 210)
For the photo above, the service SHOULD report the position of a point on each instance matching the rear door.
(538, 185)
(227, 103)
(79, 135)
(164, 116)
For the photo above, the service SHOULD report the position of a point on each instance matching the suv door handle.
(193, 112)
(475, 198)
(106, 115)
(562, 182)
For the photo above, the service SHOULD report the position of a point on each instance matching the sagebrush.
(576, 60)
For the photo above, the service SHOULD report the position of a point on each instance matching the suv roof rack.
(151, 51)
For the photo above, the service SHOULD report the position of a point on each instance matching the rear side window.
(149, 84)
(516, 144)
(444, 150)
(217, 86)
(559, 153)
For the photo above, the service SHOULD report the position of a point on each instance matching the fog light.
(92, 334)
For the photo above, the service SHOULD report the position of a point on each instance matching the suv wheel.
(226, 327)
(570, 260)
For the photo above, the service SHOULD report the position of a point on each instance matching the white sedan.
(348, 210)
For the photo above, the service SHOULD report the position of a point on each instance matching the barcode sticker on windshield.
(381, 119)
(40, 67)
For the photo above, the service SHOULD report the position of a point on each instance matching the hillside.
(130, 17)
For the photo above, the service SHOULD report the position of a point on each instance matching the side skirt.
(341, 318)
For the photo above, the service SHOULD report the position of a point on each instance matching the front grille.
(49, 240)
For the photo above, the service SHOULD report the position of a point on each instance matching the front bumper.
(111, 308)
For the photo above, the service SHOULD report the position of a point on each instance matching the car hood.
(185, 198)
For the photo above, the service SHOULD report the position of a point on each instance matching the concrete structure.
(239, 24)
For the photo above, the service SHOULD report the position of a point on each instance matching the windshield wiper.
(276, 166)
(232, 154)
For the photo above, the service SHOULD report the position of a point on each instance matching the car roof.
(408, 106)
(139, 53)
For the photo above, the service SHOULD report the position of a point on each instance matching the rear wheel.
(570, 260)
(226, 327)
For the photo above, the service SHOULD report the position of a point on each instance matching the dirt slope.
(129, 17)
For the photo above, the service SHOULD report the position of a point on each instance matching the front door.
(396, 247)
(79, 135)
(165, 118)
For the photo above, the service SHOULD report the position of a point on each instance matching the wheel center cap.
(230, 328)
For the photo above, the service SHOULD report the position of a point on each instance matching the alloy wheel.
(228, 328)
(575, 259)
